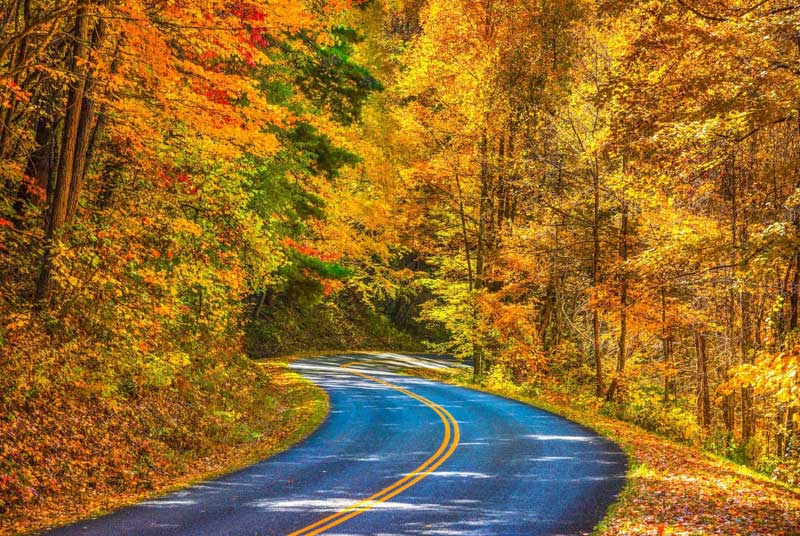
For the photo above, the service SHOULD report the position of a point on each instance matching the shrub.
(647, 409)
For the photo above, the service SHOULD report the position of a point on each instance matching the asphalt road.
(431, 459)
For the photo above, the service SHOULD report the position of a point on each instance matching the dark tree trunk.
(703, 398)
(87, 132)
(598, 358)
(666, 346)
(68, 164)
(622, 342)
(484, 217)
(38, 170)
(793, 290)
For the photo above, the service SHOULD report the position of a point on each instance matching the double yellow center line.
(452, 434)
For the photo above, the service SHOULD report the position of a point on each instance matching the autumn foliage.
(594, 199)
(606, 194)
(164, 167)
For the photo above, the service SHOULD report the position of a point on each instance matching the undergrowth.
(82, 430)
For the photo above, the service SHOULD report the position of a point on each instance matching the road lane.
(516, 469)
(450, 438)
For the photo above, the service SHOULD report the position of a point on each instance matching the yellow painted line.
(445, 450)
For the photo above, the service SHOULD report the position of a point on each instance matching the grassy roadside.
(671, 488)
(297, 407)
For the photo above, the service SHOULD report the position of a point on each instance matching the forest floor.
(672, 488)
(297, 407)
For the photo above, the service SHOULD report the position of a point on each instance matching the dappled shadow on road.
(516, 471)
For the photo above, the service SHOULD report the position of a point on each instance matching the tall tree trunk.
(746, 339)
(476, 349)
(729, 414)
(598, 358)
(666, 345)
(622, 342)
(546, 317)
(557, 276)
(780, 425)
(483, 224)
(86, 132)
(703, 399)
(729, 401)
(464, 235)
(794, 290)
(66, 164)
(38, 170)
(262, 299)
(18, 57)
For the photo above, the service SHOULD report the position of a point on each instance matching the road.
(399, 456)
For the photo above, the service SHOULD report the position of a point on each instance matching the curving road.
(400, 456)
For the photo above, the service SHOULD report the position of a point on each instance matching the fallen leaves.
(68, 448)
(677, 490)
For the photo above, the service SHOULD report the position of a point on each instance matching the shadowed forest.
(591, 201)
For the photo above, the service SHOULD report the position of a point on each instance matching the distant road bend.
(399, 456)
